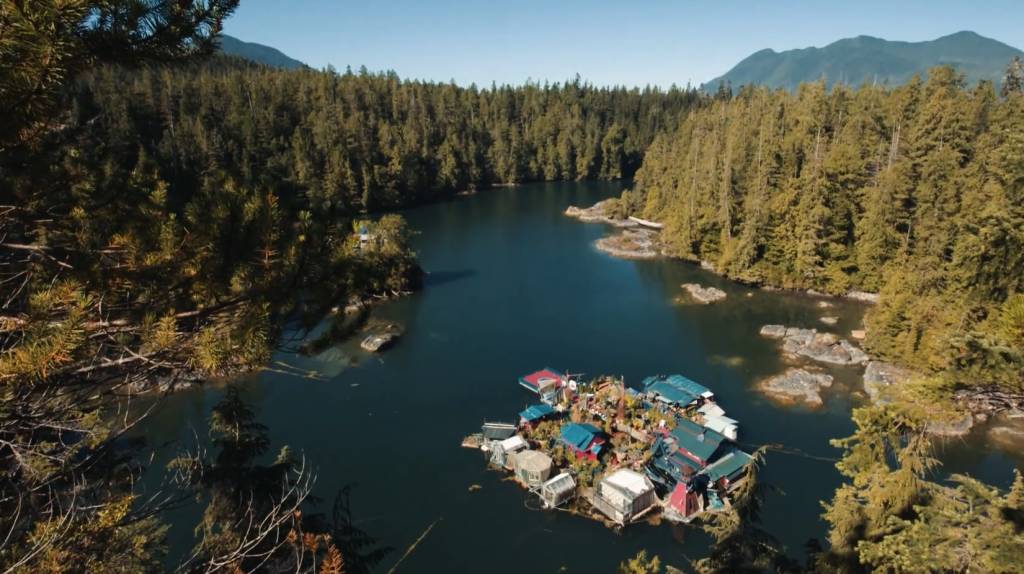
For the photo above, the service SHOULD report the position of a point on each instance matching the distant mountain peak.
(867, 58)
(258, 53)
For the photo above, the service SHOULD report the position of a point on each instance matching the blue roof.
(579, 435)
(536, 412)
(675, 388)
(695, 439)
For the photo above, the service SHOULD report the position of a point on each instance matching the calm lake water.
(514, 286)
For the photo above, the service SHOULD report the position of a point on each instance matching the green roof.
(728, 466)
(695, 439)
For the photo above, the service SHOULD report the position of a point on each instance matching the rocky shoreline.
(638, 242)
(823, 347)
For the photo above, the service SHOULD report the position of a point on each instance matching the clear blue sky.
(620, 42)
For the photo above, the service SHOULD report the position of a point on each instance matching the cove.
(514, 286)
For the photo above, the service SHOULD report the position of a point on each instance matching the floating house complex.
(665, 448)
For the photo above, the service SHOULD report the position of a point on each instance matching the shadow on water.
(438, 278)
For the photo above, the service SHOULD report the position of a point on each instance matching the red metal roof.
(535, 379)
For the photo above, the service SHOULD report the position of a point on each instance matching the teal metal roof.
(536, 412)
(579, 435)
(695, 439)
(729, 465)
(675, 388)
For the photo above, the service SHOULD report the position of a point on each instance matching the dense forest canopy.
(916, 192)
(164, 217)
(362, 141)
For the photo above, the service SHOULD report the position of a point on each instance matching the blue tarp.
(536, 412)
(579, 435)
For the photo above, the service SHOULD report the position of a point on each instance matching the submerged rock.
(880, 375)
(956, 427)
(774, 331)
(829, 320)
(378, 342)
(703, 294)
(797, 385)
(1008, 432)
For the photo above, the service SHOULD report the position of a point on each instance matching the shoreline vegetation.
(803, 384)
(167, 212)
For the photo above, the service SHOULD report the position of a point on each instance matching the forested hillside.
(917, 192)
(359, 141)
(164, 216)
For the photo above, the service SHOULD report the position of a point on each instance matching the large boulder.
(797, 385)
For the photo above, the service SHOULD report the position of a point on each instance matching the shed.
(532, 467)
(497, 431)
(558, 490)
(501, 451)
(623, 495)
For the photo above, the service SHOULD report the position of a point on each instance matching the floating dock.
(602, 449)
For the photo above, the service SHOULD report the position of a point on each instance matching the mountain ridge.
(259, 53)
(865, 58)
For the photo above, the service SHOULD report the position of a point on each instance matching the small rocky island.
(638, 239)
(704, 295)
(797, 385)
(631, 244)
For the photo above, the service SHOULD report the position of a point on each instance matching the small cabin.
(582, 439)
(502, 451)
(492, 432)
(531, 467)
(558, 490)
(624, 495)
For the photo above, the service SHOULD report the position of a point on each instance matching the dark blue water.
(515, 286)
